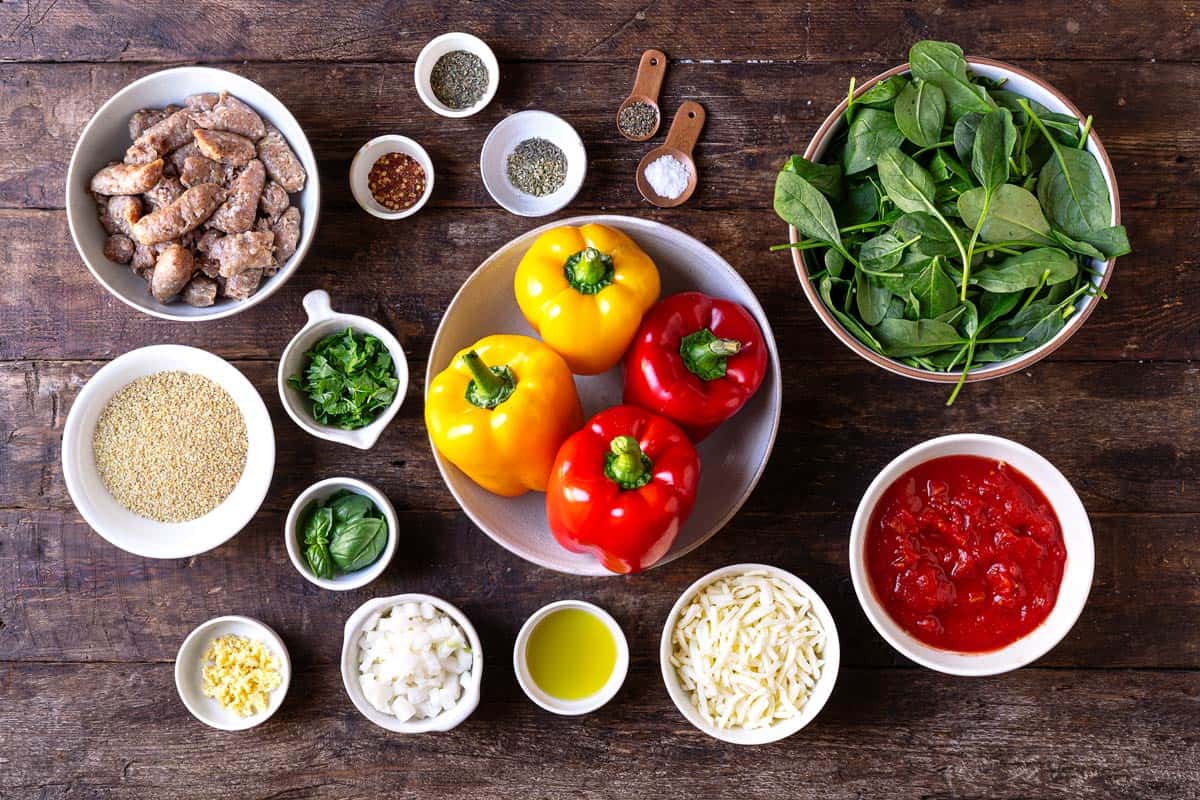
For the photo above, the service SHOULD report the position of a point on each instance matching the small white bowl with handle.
(323, 321)
(451, 718)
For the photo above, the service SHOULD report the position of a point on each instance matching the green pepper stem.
(589, 268)
(704, 354)
(627, 466)
(490, 386)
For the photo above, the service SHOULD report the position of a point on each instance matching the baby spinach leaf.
(1071, 188)
(835, 262)
(825, 177)
(935, 238)
(871, 133)
(906, 182)
(1014, 214)
(1074, 246)
(921, 112)
(995, 139)
(872, 301)
(1026, 271)
(802, 205)
(358, 543)
(1035, 325)
(349, 378)
(883, 94)
(881, 253)
(825, 289)
(861, 203)
(943, 64)
(964, 134)
(934, 290)
(902, 337)
(1112, 242)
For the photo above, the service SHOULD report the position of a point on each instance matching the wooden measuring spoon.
(685, 131)
(651, 71)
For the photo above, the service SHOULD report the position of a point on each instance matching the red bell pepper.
(622, 487)
(696, 360)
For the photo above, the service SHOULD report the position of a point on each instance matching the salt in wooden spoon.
(651, 71)
(685, 131)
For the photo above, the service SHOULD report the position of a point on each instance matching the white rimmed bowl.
(817, 698)
(145, 537)
(365, 158)
(447, 719)
(105, 138)
(1077, 574)
(504, 138)
(1027, 85)
(570, 708)
(448, 43)
(322, 321)
(323, 490)
(733, 458)
(189, 681)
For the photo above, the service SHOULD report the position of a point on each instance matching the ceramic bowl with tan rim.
(1027, 85)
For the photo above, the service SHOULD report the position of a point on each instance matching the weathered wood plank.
(758, 113)
(67, 595)
(1035, 733)
(406, 273)
(212, 30)
(842, 422)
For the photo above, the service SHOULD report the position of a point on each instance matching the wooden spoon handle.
(651, 71)
(686, 127)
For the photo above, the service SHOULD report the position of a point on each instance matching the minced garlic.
(239, 673)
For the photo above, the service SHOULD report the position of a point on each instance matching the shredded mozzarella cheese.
(748, 649)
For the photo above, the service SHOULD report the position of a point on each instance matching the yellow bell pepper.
(501, 410)
(585, 290)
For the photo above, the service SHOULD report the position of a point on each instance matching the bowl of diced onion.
(750, 654)
(412, 663)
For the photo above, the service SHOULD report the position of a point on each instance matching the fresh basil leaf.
(1025, 271)
(358, 543)
(1072, 190)
(350, 507)
(825, 177)
(871, 133)
(316, 555)
(318, 526)
(943, 64)
(921, 112)
(1014, 214)
(902, 337)
(802, 205)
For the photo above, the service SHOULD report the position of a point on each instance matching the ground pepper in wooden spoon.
(638, 117)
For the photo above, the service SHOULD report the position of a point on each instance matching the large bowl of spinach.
(954, 219)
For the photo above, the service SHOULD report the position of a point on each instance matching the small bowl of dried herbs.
(342, 377)
(456, 74)
(341, 533)
(533, 163)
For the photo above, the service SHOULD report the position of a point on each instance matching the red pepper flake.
(396, 181)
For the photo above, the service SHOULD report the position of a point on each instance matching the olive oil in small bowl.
(571, 657)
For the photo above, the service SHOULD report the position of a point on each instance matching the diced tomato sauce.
(965, 553)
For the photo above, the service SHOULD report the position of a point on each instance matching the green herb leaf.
(1014, 214)
(802, 205)
(870, 134)
(902, 337)
(349, 378)
(825, 177)
(883, 94)
(921, 112)
(358, 543)
(1026, 271)
(943, 64)
(1071, 188)
(350, 506)
(316, 555)
(907, 184)
(319, 526)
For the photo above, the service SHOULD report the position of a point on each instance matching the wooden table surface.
(88, 633)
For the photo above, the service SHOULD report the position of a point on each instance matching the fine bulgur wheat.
(170, 446)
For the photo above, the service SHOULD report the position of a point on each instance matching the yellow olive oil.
(571, 654)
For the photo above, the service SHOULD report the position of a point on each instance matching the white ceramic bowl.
(322, 321)
(105, 138)
(365, 158)
(444, 721)
(733, 457)
(504, 138)
(448, 43)
(1023, 83)
(817, 698)
(190, 683)
(145, 537)
(1077, 575)
(570, 708)
(323, 490)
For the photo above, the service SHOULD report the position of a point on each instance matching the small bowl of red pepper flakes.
(391, 177)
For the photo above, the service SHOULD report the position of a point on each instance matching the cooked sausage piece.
(143, 120)
(165, 192)
(172, 271)
(127, 178)
(180, 155)
(185, 214)
(242, 251)
(124, 211)
(228, 148)
(242, 285)
(199, 169)
(287, 234)
(236, 214)
(231, 114)
(281, 163)
(161, 138)
(274, 200)
(201, 291)
(202, 101)
(209, 266)
(143, 259)
(119, 248)
(206, 240)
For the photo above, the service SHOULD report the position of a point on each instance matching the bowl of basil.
(954, 219)
(341, 533)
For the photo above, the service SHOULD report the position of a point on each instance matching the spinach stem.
(1033, 293)
(934, 146)
(962, 379)
(1087, 129)
(987, 203)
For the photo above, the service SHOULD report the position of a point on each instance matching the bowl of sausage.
(192, 194)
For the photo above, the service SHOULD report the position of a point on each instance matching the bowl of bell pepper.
(602, 395)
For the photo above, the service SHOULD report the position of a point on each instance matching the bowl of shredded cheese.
(750, 654)
(232, 672)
